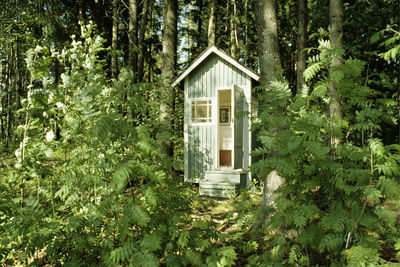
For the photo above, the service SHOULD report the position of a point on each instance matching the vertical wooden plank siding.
(186, 117)
(201, 83)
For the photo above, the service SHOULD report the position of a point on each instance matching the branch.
(393, 30)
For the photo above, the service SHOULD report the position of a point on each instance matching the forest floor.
(228, 216)
(233, 219)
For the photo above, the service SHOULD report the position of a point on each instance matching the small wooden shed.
(217, 135)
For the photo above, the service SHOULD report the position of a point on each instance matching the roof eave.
(223, 55)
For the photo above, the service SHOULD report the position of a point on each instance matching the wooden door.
(237, 127)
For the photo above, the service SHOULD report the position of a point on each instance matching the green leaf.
(145, 259)
(141, 216)
(152, 242)
(183, 239)
(361, 256)
(299, 220)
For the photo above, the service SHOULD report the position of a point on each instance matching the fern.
(331, 243)
(122, 254)
(311, 71)
(389, 187)
(361, 256)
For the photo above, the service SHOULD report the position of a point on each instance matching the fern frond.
(389, 187)
(331, 243)
(122, 254)
(312, 70)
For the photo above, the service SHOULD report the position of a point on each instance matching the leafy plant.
(333, 196)
(89, 186)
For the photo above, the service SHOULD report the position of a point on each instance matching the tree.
(133, 37)
(211, 24)
(268, 48)
(142, 36)
(168, 58)
(301, 43)
(271, 71)
(114, 39)
(233, 28)
(336, 35)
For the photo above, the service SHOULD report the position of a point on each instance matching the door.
(225, 126)
(237, 127)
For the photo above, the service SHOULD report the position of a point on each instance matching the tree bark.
(169, 40)
(336, 24)
(149, 58)
(114, 39)
(233, 28)
(142, 34)
(268, 49)
(168, 57)
(246, 34)
(271, 70)
(133, 37)
(301, 44)
(211, 24)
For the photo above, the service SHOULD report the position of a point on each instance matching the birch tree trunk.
(211, 24)
(233, 28)
(336, 24)
(301, 44)
(133, 37)
(114, 39)
(271, 70)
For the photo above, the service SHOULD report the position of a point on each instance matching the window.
(201, 111)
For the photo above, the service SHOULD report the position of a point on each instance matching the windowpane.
(202, 111)
(193, 113)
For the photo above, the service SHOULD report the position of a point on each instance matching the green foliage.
(332, 201)
(360, 256)
(88, 185)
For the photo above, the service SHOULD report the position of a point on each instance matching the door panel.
(237, 103)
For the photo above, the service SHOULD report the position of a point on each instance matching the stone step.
(213, 185)
(212, 189)
(219, 176)
(222, 193)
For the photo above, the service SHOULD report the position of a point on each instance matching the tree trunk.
(336, 24)
(268, 49)
(301, 44)
(168, 57)
(233, 28)
(142, 34)
(1, 99)
(114, 39)
(149, 58)
(133, 37)
(271, 70)
(169, 40)
(199, 34)
(211, 24)
(246, 33)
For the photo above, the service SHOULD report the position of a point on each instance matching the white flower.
(49, 136)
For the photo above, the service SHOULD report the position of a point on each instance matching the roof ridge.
(219, 52)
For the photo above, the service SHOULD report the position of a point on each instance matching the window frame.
(209, 119)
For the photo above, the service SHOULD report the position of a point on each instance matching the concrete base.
(222, 183)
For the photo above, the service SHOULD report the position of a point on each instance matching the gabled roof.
(220, 53)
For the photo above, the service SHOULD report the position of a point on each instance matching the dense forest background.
(91, 133)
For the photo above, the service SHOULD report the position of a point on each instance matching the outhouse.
(217, 136)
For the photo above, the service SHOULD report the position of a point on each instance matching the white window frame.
(210, 117)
